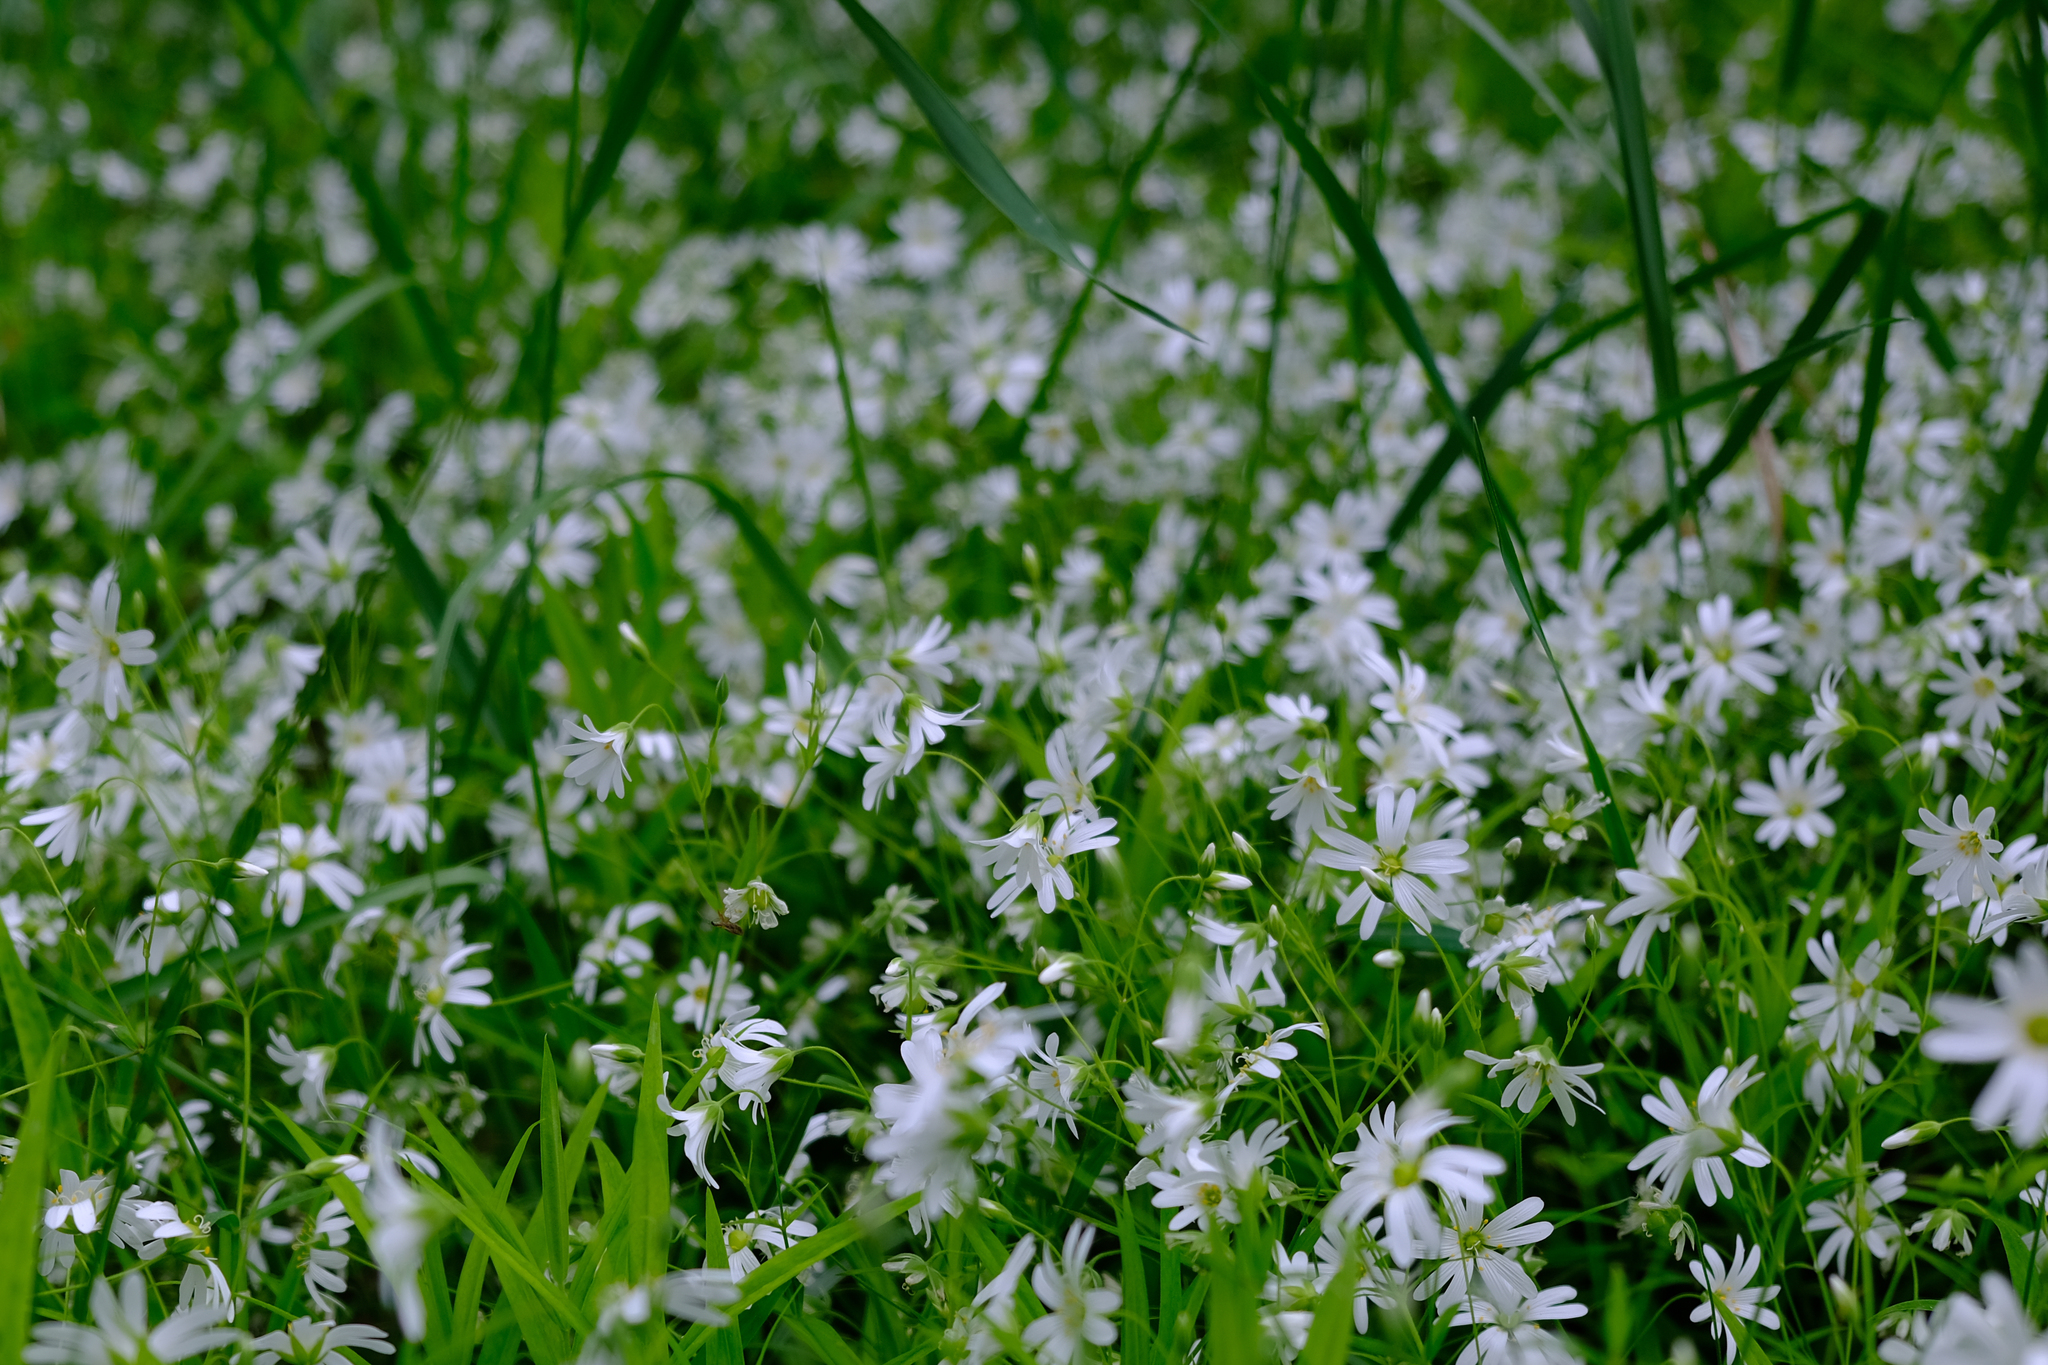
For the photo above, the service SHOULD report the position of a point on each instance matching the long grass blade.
(1769, 380)
(1798, 28)
(647, 1222)
(339, 314)
(21, 1203)
(1611, 30)
(974, 159)
(1507, 373)
(634, 87)
(1372, 263)
(1512, 55)
(2017, 464)
(1329, 1332)
(1893, 272)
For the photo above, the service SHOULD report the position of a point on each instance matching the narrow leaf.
(1137, 1311)
(647, 1182)
(966, 150)
(632, 89)
(2018, 465)
(1512, 55)
(1372, 262)
(1329, 1333)
(21, 1202)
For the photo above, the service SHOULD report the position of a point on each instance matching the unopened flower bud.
(1227, 881)
(633, 640)
(1906, 1137)
(1244, 849)
(1844, 1297)
(1057, 967)
(1386, 959)
(1513, 849)
(1208, 858)
(243, 869)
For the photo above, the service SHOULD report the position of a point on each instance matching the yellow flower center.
(1210, 1195)
(1969, 843)
(2037, 1030)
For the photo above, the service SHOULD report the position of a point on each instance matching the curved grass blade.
(647, 1221)
(426, 590)
(1770, 380)
(785, 1265)
(1611, 30)
(1512, 55)
(1798, 27)
(1730, 261)
(1126, 193)
(1893, 271)
(965, 149)
(632, 90)
(21, 1197)
(2018, 465)
(1506, 376)
(1372, 263)
(1931, 330)
(339, 315)
(1329, 1332)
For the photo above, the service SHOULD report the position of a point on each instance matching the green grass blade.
(21, 1198)
(1138, 1339)
(2017, 464)
(634, 87)
(551, 1218)
(966, 150)
(1730, 261)
(1798, 28)
(385, 229)
(1501, 382)
(322, 330)
(647, 1181)
(1509, 53)
(785, 1265)
(1931, 330)
(1611, 30)
(425, 586)
(1070, 330)
(1329, 1334)
(1893, 272)
(1770, 380)
(1372, 262)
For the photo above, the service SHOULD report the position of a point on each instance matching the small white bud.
(1386, 959)
(1906, 1137)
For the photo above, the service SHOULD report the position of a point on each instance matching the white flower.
(1029, 858)
(307, 1069)
(1561, 816)
(297, 857)
(1078, 1312)
(696, 1126)
(1509, 1326)
(120, 1331)
(1207, 1177)
(700, 1296)
(1841, 1014)
(1729, 1298)
(1792, 804)
(1830, 723)
(1536, 1071)
(99, 650)
(1961, 860)
(769, 1231)
(307, 1342)
(1390, 1166)
(1858, 1214)
(1477, 1246)
(1728, 653)
(755, 903)
(63, 828)
(1659, 881)
(448, 982)
(1976, 694)
(597, 758)
(2012, 1031)
(1391, 861)
(1309, 799)
(1701, 1133)
(393, 789)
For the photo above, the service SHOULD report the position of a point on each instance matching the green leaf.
(1507, 373)
(1137, 1311)
(21, 1198)
(549, 1232)
(1769, 380)
(1330, 1333)
(1931, 331)
(1611, 31)
(634, 86)
(1512, 55)
(648, 1226)
(1372, 263)
(1798, 26)
(546, 1316)
(785, 1265)
(425, 586)
(322, 330)
(965, 149)
(2017, 463)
